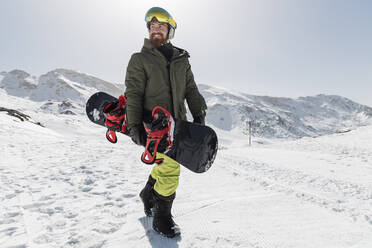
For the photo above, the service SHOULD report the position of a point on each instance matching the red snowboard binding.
(115, 118)
(159, 132)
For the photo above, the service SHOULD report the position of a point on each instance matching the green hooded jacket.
(150, 83)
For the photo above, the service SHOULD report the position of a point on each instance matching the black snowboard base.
(94, 105)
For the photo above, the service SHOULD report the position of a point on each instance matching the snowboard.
(193, 145)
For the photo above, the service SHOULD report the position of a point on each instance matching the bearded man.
(160, 75)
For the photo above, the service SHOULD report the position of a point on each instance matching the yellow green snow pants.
(166, 175)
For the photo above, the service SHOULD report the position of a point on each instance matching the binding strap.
(160, 128)
(111, 136)
(116, 120)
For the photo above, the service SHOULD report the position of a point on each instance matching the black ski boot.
(163, 222)
(147, 196)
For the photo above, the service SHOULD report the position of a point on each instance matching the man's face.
(158, 33)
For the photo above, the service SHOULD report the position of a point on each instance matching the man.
(160, 75)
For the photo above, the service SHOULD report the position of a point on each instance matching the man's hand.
(200, 117)
(138, 135)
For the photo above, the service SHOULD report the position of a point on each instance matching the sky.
(286, 48)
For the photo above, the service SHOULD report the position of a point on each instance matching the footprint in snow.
(110, 186)
(12, 214)
(88, 181)
(9, 231)
(129, 195)
(71, 215)
(86, 189)
(10, 196)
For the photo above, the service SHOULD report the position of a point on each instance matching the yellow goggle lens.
(161, 15)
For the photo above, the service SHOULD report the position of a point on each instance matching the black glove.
(200, 117)
(138, 135)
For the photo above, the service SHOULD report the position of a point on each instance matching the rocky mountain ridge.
(64, 91)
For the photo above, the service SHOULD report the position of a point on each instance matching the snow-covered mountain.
(60, 91)
(18, 83)
(283, 117)
(56, 85)
(65, 91)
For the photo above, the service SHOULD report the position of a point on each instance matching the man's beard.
(158, 41)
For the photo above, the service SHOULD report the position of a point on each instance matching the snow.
(65, 185)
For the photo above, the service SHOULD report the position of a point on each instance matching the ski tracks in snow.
(336, 195)
(81, 191)
(342, 187)
(65, 191)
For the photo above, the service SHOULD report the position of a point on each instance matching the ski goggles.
(161, 15)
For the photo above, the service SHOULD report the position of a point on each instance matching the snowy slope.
(64, 185)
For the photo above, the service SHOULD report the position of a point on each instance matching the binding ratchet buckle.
(159, 135)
